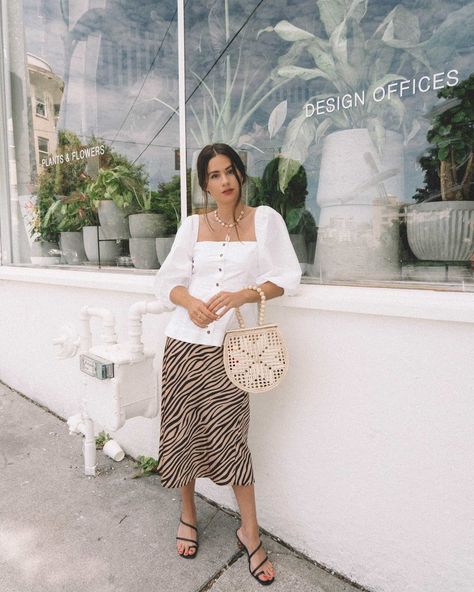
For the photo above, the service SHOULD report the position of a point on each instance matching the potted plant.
(94, 238)
(147, 220)
(358, 225)
(62, 178)
(70, 214)
(440, 225)
(168, 198)
(145, 223)
(114, 192)
(43, 236)
(230, 98)
(290, 203)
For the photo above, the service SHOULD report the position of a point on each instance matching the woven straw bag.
(255, 358)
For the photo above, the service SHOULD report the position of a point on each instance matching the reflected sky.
(119, 65)
(206, 37)
(118, 59)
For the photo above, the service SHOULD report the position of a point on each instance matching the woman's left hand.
(222, 302)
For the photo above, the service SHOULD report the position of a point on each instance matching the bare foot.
(186, 547)
(252, 542)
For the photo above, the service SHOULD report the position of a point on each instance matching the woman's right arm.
(172, 279)
(176, 269)
(197, 309)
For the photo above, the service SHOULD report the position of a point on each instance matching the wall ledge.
(378, 301)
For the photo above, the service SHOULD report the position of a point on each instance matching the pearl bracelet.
(261, 306)
(261, 293)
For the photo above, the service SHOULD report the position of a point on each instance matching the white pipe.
(88, 447)
(108, 326)
(134, 324)
(82, 424)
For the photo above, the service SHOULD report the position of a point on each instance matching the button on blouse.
(208, 267)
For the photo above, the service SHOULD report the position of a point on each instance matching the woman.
(204, 417)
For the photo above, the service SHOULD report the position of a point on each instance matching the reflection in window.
(43, 148)
(102, 85)
(350, 95)
(337, 107)
(40, 107)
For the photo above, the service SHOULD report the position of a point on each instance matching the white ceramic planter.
(72, 247)
(299, 245)
(113, 220)
(143, 253)
(359, 193)
(163, 247)
(441, 230)
(109, 250)
(45, 253)
(357, 242)
(146, 225)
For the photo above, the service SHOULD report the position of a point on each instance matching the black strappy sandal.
(250, 555)
(194, 546)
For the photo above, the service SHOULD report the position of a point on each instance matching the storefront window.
(93, 92)
(357, 121)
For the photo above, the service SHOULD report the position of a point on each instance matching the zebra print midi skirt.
(204, 419)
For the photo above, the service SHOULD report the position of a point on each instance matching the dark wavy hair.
(236, 162)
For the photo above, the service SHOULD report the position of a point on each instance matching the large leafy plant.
(290, 203)
(168, 201)
(71, 213)
(234, 92)
(56, 181)
(449, 162)
(348, 60)
(124, 184)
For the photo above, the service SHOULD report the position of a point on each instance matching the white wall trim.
(392, 302)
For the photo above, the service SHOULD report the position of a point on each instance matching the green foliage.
(235, 91)
(448, 163)
(71, 213)
(124, 184)
(168, 201)
(290, 203)
(101, 439)
(147, 465)
(67, 197)
(69, 176)
(58, 180)
(45, 198)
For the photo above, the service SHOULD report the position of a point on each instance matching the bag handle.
(261, 307)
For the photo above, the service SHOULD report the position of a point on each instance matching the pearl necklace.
(226, 225)
(232, 224)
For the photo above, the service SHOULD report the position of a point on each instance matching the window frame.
(6, 241)
(7, 166)
(42, 152)
(41, 101)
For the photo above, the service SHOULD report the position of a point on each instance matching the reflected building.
(45, 90)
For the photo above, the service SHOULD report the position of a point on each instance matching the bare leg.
(248, 531)
(188, 514)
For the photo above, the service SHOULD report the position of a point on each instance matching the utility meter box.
(117, 387)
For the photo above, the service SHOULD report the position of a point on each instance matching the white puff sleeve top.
(208, 267)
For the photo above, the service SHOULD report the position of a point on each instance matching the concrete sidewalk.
(61, 530)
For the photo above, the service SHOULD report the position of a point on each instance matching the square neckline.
(197, 242)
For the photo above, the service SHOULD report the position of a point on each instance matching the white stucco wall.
(363, 459)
